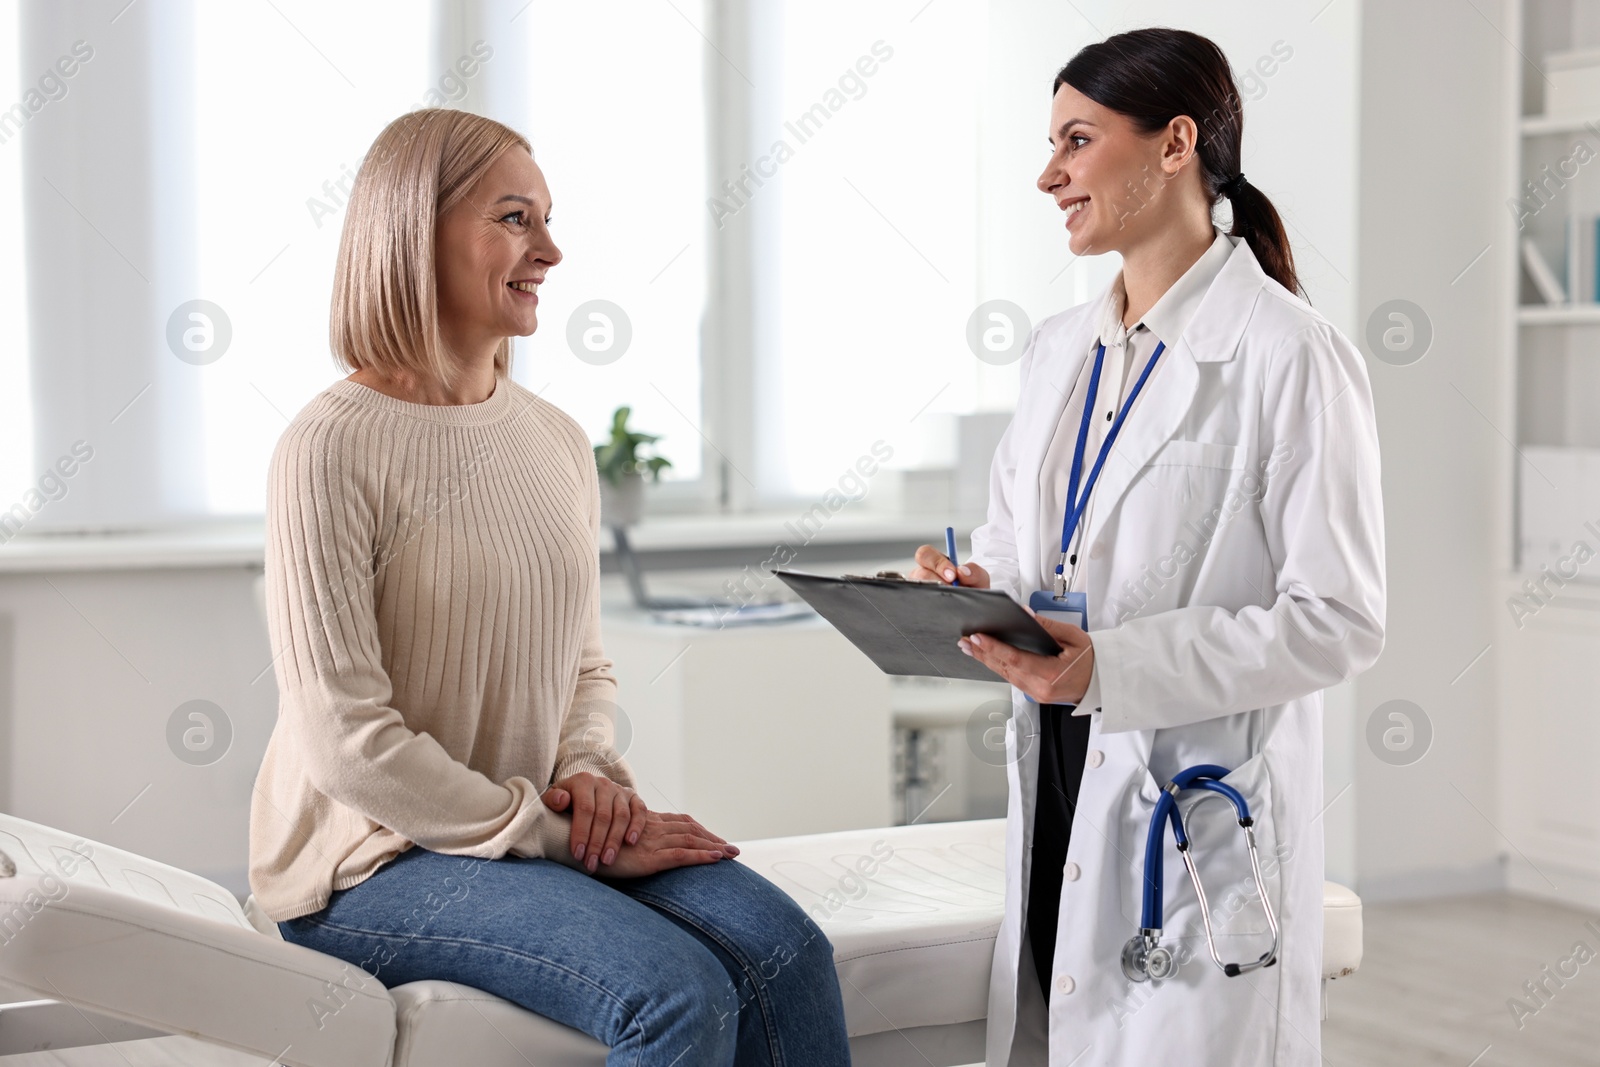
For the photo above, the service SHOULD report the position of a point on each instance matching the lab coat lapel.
(1212, 335)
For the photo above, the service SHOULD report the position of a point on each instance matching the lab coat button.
(1066, 984)
(1070, 872)
(1096, 757)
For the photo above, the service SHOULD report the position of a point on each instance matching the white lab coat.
(1235, 569)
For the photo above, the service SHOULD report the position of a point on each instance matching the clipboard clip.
(893, 576)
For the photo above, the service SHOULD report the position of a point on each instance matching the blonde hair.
(385, 313)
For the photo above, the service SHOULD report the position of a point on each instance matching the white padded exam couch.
(127, 948)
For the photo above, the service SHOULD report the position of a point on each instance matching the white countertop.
(240, 543)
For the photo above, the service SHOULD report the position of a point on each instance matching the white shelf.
(1549, 125)
(212, 544)
(1558, 314)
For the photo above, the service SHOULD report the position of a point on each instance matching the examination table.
(124, 948)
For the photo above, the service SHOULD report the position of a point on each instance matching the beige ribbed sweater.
(433, 592)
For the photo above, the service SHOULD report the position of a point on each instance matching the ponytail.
(1257, 221)
(1154, 75)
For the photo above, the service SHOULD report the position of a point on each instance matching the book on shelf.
(1544, 279)
(1582, 246)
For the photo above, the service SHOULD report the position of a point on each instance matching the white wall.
(1434, 122)
(92, 667)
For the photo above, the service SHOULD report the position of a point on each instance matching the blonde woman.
(441, 797)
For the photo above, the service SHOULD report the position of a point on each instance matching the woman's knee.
(816, 951)
(693, 994)
(805, 943)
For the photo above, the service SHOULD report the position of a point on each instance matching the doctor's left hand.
(1059, 679)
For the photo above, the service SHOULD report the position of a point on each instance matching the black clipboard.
(910, 627)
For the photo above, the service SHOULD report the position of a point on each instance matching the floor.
(1437, 976)
(1433, 989)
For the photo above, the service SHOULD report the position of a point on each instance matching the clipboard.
(911, 627)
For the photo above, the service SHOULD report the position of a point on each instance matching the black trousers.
(1063, 745)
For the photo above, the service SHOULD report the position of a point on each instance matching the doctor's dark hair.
(1152, 76)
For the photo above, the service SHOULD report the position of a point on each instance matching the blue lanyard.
(1075, 503)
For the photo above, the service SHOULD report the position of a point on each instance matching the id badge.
(1073, 607)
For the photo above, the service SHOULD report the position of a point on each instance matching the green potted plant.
(622, 470)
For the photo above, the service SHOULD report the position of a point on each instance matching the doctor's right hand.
(934, 565)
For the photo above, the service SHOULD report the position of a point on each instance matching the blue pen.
(950, 550)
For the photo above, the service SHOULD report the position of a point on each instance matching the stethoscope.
(1143, 957)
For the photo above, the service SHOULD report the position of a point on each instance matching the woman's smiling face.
(493, 251)
(1105, 174)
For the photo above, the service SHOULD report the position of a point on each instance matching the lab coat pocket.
(1181, 453)
(1195, 472)
(1218, 846)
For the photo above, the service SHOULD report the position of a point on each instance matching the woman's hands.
(933, 565)
(612, 825)
(668, 840)
(1059, 679)
(604, 816)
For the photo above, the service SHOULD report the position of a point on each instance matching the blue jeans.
(701, 965)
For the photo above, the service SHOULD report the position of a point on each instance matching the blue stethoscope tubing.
(1143, 957)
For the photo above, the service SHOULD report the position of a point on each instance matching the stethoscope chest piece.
(1144, 958)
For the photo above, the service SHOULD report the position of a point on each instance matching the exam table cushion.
(912, 913)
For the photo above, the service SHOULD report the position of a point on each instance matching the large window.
(265, 114)
(16, 414)
(288, 96)
(863, 126)
(617, 120)
(875, 254)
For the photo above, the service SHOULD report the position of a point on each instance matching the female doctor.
(1231, 554)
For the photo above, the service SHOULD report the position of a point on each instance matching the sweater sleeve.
(589, 733)
(334, 694)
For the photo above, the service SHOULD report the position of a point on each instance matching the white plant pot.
(622, 505)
